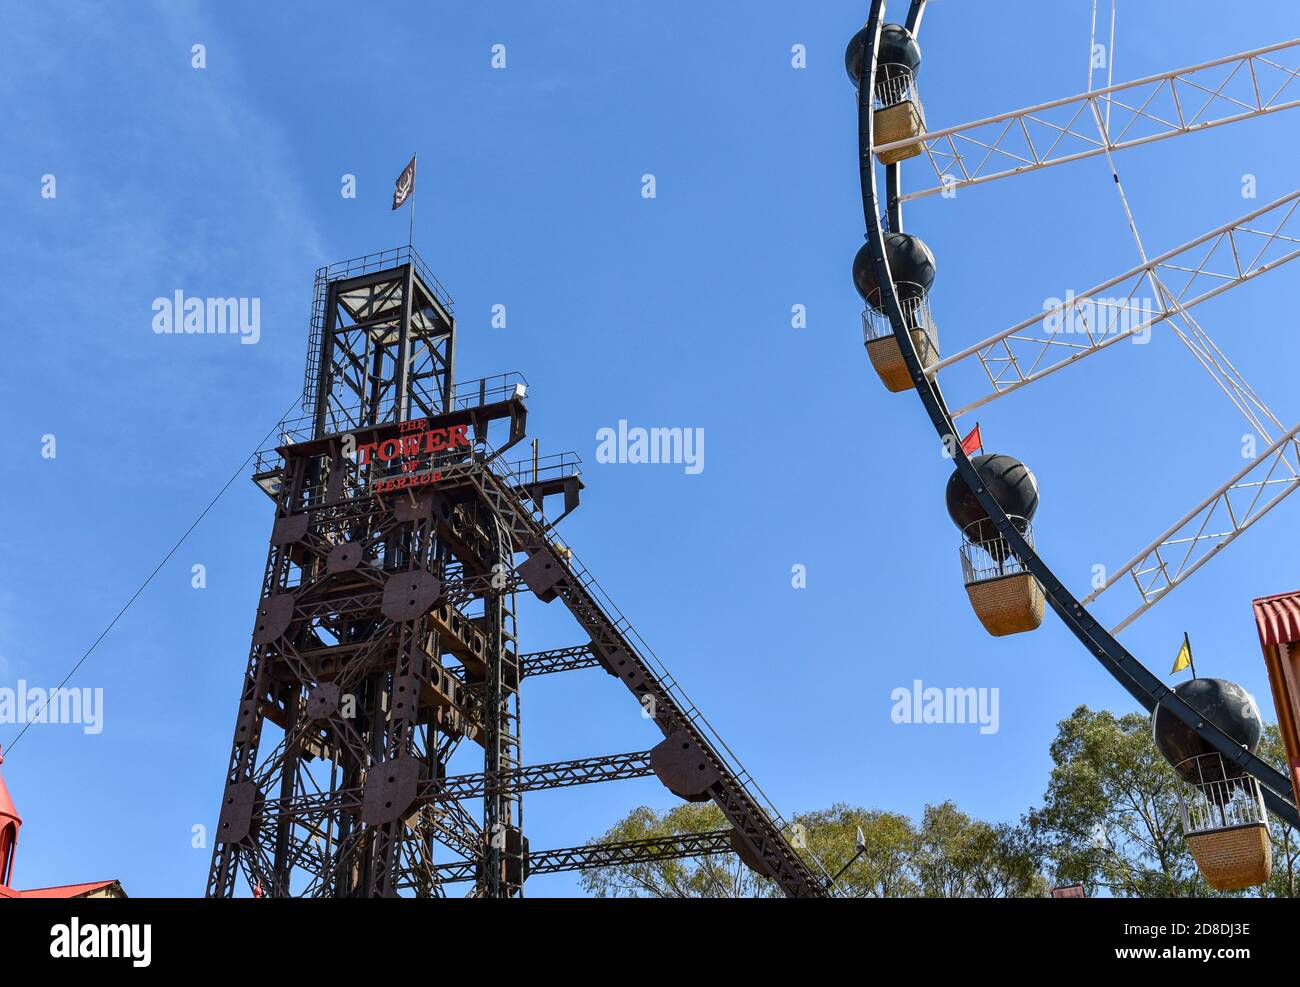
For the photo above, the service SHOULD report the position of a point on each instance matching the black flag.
(405, 184)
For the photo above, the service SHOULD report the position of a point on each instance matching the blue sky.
(674, 311)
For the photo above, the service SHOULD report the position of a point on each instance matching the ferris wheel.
(1207, 728)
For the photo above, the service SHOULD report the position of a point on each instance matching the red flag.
(972, 441)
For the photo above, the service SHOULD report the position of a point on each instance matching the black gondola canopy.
(1010, 482)
(911, 265)
(898, 52)
(1225, 704)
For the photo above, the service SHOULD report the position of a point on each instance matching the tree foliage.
(1110, 820)
(712, 876)
(1285, 880)
(948, 855)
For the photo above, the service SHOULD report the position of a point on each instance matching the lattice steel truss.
(1130, 304)
(1210, 527)
(386, 636)
(1157, 107)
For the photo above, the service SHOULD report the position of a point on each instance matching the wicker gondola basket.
(1233, 858)
(1010, 604)
(896, 123)
(887, 359)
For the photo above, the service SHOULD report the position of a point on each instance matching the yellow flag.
(1184, 659)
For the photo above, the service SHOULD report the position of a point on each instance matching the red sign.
(415, 442)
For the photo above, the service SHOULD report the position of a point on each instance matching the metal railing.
(915, 304)
(897, 86)
(1217, 799)
(467, 394)
(383, 260)
(486, 390)
(985, 554)
(556, 466)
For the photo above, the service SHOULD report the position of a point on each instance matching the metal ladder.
(311, 375)
(503, 852)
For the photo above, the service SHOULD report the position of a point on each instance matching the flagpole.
(1190, 660)
(410, 225)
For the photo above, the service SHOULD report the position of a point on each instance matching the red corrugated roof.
(1277, 618)
(65, 890)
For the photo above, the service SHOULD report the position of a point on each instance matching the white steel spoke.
(1135, 301)
(1222, 371)
(1237, 87)
(1210, 527)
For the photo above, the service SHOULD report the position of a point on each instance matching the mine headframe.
(386, 634)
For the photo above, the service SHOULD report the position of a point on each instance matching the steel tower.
(386, 634)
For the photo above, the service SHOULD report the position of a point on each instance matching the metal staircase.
(759, 833)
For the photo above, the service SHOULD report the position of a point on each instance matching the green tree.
(949, 855)
(961, 857)
(1286, 843)
(883, 869)
(714, 876)
(1110, 819)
